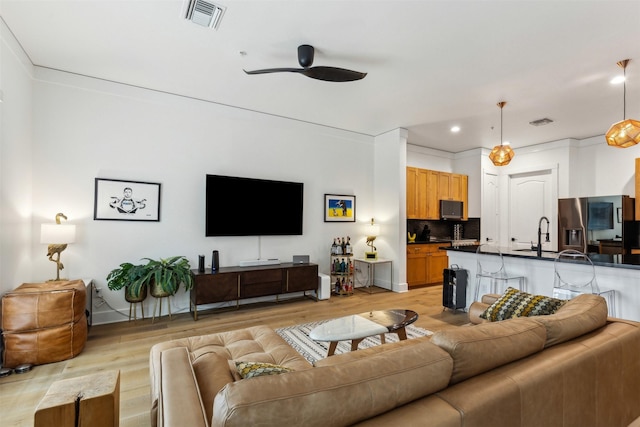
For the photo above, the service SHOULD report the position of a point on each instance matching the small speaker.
(215, 261)
(200, 263)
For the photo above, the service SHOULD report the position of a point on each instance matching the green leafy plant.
(165, 275)
(124, 276)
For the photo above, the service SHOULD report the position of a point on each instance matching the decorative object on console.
(501, 154)
(411, 237)
(117, 199)
(625, 133)
(373, 230)
(339, 208)
(57, 236)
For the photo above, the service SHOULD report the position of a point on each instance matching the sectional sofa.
(572, 368)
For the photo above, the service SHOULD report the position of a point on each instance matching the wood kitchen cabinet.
(425, 263)
(425, 189)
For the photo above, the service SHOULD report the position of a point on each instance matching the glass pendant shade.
(624, 134)
(501, 155)
(627, 132)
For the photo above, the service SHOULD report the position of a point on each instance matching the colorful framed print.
(339, 208)
(121, 200)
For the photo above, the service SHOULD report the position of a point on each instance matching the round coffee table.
(357, 327)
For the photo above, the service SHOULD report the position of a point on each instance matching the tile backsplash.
(442, 229)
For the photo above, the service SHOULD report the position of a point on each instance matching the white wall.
(15, 163)
(86, 128)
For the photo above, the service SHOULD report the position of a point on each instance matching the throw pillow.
(515, 303)
(256, 369)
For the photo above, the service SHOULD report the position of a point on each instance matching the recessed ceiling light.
(455, 129)
(617, 80)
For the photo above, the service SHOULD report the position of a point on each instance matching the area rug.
(298, 337)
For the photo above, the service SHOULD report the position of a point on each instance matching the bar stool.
(492, 269)
(569, 281)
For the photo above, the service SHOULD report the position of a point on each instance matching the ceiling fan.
(305, 59)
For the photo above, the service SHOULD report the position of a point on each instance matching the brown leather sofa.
(43, 322)
(573, 368)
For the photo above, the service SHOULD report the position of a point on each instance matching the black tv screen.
(238, 206)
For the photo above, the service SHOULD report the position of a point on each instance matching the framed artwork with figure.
(339, 208)
(121, 200)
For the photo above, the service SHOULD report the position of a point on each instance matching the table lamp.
(373, 230)
(57, 236)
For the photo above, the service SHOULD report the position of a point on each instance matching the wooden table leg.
(402, 333)
(332, 348)
(355, 343)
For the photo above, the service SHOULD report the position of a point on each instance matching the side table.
(88, 400)
(371, 271)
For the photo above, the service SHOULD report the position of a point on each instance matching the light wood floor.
(125, 345)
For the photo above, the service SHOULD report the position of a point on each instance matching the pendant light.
(627, 132)
(501, 154)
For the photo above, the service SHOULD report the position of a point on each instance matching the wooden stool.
(89, 400)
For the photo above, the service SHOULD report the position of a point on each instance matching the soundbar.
(252, 262)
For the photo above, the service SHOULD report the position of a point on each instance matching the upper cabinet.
(425, 189)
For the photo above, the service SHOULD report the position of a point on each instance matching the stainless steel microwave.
(451, 209)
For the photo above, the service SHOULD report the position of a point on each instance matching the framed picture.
(338, 208)
(122, 200)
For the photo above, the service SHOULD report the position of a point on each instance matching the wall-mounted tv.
(238, 206)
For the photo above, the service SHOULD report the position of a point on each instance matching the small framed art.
(122, 200)
(339, 208)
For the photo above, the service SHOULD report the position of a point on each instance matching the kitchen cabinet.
(425, 189)
(425, 263)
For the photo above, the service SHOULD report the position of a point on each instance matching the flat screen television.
(238, 206)
(600, 216)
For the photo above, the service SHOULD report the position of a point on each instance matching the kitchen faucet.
(539, 249)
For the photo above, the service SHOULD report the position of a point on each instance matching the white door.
(533, 195)
(490, 224)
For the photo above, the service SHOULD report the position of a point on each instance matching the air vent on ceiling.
(204, 13)
(541, 122)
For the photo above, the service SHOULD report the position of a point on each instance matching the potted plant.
(164, 276)
(125, 277)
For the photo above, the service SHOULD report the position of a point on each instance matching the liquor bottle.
(344, 246)
(338, 285)
(334, 247)
(348, 246)
(343, 267)
(338, 247)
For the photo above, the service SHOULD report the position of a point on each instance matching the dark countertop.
(603, 260)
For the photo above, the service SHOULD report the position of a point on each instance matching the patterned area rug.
(298, 337)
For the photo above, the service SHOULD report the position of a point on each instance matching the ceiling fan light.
(624, 134)
(501, 155)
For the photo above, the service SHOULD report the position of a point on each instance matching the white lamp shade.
(373, 230)
(57, 233)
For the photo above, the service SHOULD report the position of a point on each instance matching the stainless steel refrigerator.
(584, 223)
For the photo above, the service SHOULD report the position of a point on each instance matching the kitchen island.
(614, 272)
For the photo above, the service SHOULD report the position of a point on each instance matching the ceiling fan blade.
(275, 70)
(332, 74)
